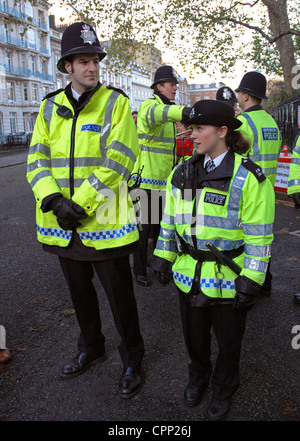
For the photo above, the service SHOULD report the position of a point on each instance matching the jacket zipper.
(72, 156)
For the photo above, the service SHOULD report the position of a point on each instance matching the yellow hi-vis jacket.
(262, 132)
(231, 209)
(157, 141)
(294, 174)
(87, 158)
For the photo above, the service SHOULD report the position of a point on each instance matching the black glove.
(163, 277)
(296, 197)
(68, 213)
(186, 114)
(244, 301)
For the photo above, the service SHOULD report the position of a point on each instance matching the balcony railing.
(26, 72)
(22, 43)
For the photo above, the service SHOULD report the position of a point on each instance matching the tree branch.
(271, 40)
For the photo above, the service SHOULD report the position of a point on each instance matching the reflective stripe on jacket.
(87, 157)
(262, 132)
(157, 141)
(294, 174)
(243, 215)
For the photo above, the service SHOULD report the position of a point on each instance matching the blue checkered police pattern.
(54, 232)
(151, 181)
(215, 283)
(205, 283)
(181, 278)
(108, 234)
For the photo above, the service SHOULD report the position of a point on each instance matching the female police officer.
(219, 198)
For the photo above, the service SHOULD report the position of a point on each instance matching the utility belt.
(181, 247)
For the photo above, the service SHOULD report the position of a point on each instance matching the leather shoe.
(142, 280)
(80, 364)
(130, 383)
(193, 395)
(218, 410)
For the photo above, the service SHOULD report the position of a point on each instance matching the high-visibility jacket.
(263, 134)
(231, 209)
(87, 157)
(157, 141)
(294, 174)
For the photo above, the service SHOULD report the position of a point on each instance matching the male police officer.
(157, 141)
(82, 152)
(262, 132)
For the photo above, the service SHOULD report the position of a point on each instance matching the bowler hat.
(165, 73)
(255, 84)
(224, 93)
(79, 38)
(213, 113)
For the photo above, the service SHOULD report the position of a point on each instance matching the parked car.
(18, 138)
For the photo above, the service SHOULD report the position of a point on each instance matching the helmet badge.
(226, 94)
(88, 35)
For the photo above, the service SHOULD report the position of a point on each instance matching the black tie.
(210, 165)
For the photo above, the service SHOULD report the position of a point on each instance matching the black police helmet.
(226, 94)
(213, 113)
(165, 73)
(255, 84)
(79, 38)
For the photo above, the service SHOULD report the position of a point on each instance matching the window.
(8, 59)
(31, 122)
(45, 90)
(25, 90)
(10, 91)
(34, 92)
(13, 122)
(32, 63)
(23, 61)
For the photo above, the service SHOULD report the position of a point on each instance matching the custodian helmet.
(224, 93)
(255, 84)
(79, 38)
(165, 73)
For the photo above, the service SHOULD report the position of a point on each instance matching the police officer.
(82, 152)
(157, 143)
(294, 174)
(225, 93)
(262, 132)
(294, 186)
(222, 198)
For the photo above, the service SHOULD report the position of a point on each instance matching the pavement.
(41, 335)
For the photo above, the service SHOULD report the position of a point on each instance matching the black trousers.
(151, 211)
(229, 327)
(116, 278)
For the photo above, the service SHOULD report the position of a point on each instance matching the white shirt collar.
(217, 160)
(75, 94)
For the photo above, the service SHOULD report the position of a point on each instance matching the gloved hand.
(163, 277)
(186, 114)
(244, 301)
(68, 213)
(296, 197)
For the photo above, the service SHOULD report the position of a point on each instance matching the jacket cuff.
(48, 202)
(159, 264)
(247, 286)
